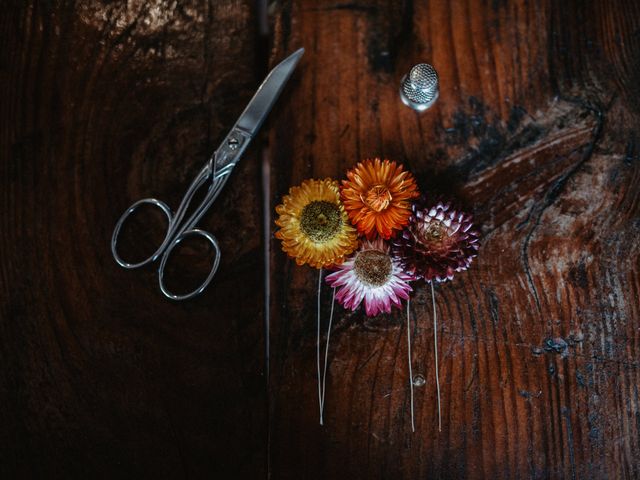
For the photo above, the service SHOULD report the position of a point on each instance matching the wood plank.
(104, 103)
(535, 131)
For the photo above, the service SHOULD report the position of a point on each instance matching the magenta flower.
(438, 242)
(371, 275)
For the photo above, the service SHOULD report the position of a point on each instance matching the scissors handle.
(178, 228)
(167, 253)
(116, 233)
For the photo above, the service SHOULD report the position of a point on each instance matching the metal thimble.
(419, 88)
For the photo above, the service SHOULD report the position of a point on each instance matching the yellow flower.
(314, 227)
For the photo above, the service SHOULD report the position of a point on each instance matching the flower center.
(320, 220)
(378, 198)
(434, 236)
(373, 267)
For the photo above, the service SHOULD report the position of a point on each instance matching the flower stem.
(318, 346)
(435, 349)
(413, 427)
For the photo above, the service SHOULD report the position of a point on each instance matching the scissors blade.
(260, 105)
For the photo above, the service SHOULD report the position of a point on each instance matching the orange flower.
(377, 196)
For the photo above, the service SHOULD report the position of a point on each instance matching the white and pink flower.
(371, 275)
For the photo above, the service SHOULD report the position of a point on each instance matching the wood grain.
(104, 103)
(536, 132)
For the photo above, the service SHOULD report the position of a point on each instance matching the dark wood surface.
(104, 103)
(536, 131)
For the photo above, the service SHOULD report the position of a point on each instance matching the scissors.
(215, 172)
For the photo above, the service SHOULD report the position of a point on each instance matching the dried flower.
(438, 242)
(315, 228)
(377, 196)
(371, 275)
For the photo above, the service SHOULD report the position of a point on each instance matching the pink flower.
(438, 242)
(371, 274)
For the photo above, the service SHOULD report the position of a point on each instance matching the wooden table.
(536, 131)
